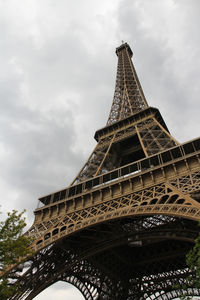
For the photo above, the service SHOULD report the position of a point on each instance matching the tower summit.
(128, 96)
(122, 229)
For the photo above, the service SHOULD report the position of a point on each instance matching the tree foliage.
(13, 246)
(193, 262)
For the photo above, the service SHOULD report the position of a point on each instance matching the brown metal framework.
(122, 229)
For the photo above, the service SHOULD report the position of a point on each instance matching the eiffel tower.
(121, 230)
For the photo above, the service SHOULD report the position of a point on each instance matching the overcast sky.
(57, 78)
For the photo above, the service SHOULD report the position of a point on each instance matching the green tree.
(13, 246)
(193, 262)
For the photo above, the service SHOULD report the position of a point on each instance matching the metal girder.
(128, 96)
(115, 258)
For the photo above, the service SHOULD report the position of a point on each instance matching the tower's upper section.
(128, 96)
(122, 47)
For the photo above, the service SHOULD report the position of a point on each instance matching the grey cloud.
(40, 153)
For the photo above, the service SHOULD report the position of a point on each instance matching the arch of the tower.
(87, 290)
(97, 266)
(172, 190)
(163, 199)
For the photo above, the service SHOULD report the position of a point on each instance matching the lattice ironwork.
(129, 258)
(141, 138)
(148, 135)
(128, 97)
(161, 199)
(122, 229)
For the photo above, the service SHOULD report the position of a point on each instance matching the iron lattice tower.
(122, 228)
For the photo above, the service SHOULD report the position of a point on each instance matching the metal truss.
(152, 263)
(122, 229)
(128, 96)
(149, 136)
(145, 136)
(162, 192)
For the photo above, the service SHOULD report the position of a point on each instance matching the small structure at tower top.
(122, 47)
